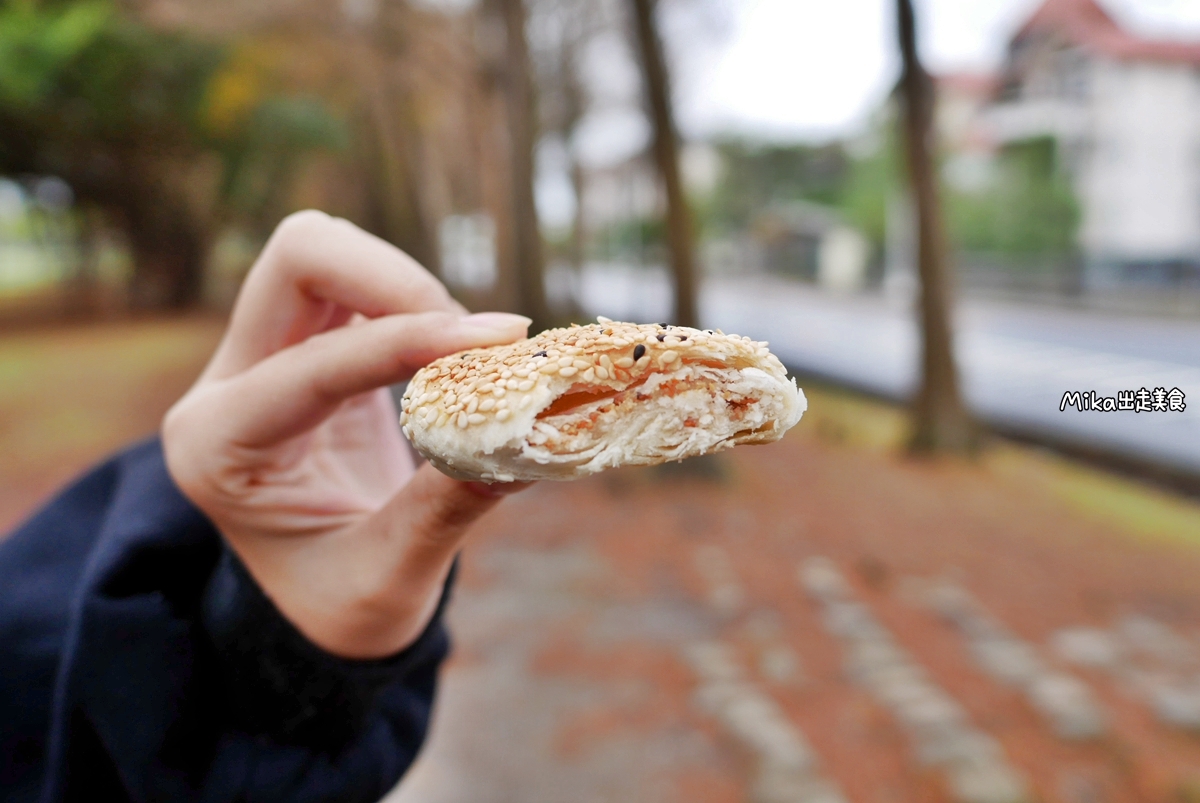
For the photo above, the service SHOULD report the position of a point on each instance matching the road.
(1017, 360)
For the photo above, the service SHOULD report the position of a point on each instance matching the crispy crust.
(472, 413)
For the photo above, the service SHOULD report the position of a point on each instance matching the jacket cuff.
(282, 686)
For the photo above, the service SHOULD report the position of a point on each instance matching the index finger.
(314, 272)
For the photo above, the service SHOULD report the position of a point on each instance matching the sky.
(815, 69)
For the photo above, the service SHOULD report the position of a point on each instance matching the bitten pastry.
(572, 402)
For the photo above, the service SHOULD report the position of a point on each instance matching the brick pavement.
(644, 636)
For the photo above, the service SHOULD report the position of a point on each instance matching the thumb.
(430, 516)
(405, 551)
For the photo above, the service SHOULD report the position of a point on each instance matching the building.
(1124, 113)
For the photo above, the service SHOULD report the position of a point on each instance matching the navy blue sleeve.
(139, 661)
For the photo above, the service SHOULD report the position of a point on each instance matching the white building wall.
(1140, 183)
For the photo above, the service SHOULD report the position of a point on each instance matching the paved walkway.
(814, 623)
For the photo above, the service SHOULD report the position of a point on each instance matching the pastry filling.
(695, 408)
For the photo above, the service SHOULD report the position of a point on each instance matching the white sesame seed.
(499, 392)
(549, 368)
(570, 370)
(476, 418)
(431, 415)
(582, 365)
(505, 374)
(563, 362)
(461, 421)
(601, 372)
(521, 373)
(525, 385)
(443, 419)
(590, 375)
(668, 357)
(472, 404)
(500, 405)
(525, 400)
(512, 384)
(503, 415)
(625, 362)
(487, 404)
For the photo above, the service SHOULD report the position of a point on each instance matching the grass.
(69, 396)
(1138, 509)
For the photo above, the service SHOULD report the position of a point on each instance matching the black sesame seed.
(540, 354)
(682, 337)
(660, 338)
(639, 351)
(663, 325)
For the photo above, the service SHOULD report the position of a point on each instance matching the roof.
(1086, 24)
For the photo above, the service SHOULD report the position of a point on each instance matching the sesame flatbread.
(572, 402)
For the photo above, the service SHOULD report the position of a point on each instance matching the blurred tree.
(567, 27)
(127, 116)
(872, 177)
(104, 105)
(389, 139)
(490, 139)
(941, 421)
(521, 109)
(1029, 209)
(755, 176)
(666, 157)
(262, 130)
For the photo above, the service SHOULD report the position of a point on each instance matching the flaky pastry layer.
(571, 402)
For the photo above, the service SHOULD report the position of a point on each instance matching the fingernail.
(496, 321)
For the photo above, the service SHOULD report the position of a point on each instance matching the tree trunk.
(666, 157)
(522, 129)
(82, 285)
(579, 224)
(490, 122)
(390, 149)
(395, 206)
(168, 250)
(941, 422)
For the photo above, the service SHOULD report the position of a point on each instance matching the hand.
(289, 440)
